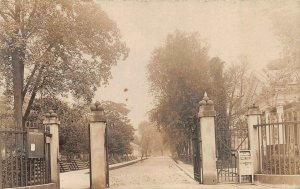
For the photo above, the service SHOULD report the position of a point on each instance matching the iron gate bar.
(277, 123)
(224, 143)
(241, 143)
(197, 152)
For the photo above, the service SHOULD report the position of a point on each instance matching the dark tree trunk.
(18, 78)
(17, 58)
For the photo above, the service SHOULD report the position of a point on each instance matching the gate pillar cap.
(206, 108)
(51, 118)
(97, 114)
(253, 110)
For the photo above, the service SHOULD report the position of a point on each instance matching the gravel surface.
(152, 173)
(159, 172)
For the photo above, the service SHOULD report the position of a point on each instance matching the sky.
(231, 29)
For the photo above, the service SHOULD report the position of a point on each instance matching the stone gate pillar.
(253, 117)
(207, 127)
(53, 123)
(97, 147)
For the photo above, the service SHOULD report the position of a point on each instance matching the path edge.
(183, 169)
(124, 164)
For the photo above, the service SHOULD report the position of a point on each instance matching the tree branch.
(30, 79)
(30, 103)
(34, 92)
(3, 15)
(31, 14)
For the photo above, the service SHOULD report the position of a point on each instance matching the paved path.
(75, 179)
(152, 173)
(81, 179)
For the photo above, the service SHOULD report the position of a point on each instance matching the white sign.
(32, 147)
(48, 140)
(245, 165)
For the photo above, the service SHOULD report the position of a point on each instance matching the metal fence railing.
(24, 156)
(279, 145)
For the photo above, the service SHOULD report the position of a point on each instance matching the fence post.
(253, 117)
(207, 126)
(97, 147)
(280, 113)
(53, 123)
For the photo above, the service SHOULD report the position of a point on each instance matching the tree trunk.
(18, 57)
(18, 78)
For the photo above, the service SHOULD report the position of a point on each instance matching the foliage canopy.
(180, 72)
(56, 47)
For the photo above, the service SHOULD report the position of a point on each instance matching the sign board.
(35, 143)
(32, 147)
(244, 164)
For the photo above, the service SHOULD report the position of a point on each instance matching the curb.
(124, 164)
(185, 171)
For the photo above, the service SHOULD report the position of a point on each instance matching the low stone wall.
(278, 179)
(44, 186)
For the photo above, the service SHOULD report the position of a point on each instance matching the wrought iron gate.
(229, 141)
(24, 156)
(197, 153)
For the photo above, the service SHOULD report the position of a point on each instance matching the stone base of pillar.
(210, 179)
(97, 187)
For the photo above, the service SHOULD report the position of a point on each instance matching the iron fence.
(24, 156)
(197, 153)
(279, 141)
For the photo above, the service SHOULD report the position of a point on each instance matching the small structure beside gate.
(244, 164)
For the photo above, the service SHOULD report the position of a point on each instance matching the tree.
(150, 139)
(73, 130)
(5, 113)
(241, 89)
(286, 24)
(180, 72)
(55, 47)
(120, 131)
(219, 97)
(74, 136)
